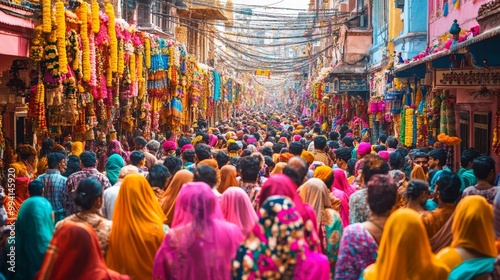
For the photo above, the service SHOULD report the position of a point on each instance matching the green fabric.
(468, 179)
(113, 166)
(333, 234)
(34, 228)
(469, 269)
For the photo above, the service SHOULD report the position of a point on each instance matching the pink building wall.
(465, 15)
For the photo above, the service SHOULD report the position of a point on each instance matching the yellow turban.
(308, 156)
(323, 173)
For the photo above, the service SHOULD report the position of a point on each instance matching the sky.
(295, 4)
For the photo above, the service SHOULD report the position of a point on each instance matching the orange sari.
(170, 196)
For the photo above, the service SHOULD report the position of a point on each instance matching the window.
(481, 132)
(464, 121)
(383, 14)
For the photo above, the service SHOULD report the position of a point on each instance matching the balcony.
(156, 17)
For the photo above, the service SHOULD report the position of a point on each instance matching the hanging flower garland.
(37, 42)
(496, 134)
(51, 58)
(85, 42)
(449, 140)
(132, 68)
(61, 37)
(40, 107)
(121, 58)
(147, 49)
(113, 41)
(95, 16)
(46, 16)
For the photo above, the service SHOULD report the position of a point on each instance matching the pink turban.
(169, 146)
(364, 148)
(297, 138)
(251, 140)
(385, 155)
(187, 147)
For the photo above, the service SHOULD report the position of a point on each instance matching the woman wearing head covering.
(74, 253)
(34, 228)
(170, 196)
(277, 249)
(138, 229)
(315, 193)
(404, 251)
(24, 171)
(76, 148)
(237, 209)
(326, 174)
(340, 182)
(227, 178)
(89, 202)
(43, 163)
(278, 168)
(472, 252)
(282, 185)
(201, 243)
(113, 166)
(114, 147)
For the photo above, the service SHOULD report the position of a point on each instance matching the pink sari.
(342, 190)
(201, 243)
(238, 209)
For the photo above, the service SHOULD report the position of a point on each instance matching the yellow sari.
(137, 230)
(404, 251)
(472, 229)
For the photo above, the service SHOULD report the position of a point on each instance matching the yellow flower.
(132, 68)
(96, 24)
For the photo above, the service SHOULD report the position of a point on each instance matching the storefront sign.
(473, 78)
(353, 85)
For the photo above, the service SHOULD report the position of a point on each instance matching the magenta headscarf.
(237, 209)
(340, 182)
(201, 242)
(340, 190)
(212, 140)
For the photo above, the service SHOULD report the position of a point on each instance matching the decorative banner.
(353, 85)
(260, 72)
(471, 78)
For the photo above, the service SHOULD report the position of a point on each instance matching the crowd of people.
(263, 196)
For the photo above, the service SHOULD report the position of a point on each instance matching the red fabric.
(75, 253)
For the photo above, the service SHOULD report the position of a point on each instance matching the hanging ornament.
(61, 37)
(113, 41)
(95, 16)
(46, 16)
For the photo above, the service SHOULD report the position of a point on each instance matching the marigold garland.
(140, 65)
(109, 77)
(496, 139)
(95, 16)
(132, 68)
(121, 58)
(147, 50)
(408, 127)
(85, 42)
(170, 61)
(46, 16)
(113, 41)
(61, 37)
(449, 140)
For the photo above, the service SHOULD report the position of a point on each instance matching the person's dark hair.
(246, 153)
(183, 141)
(202, 152)
(234, 161)
(136, 157)
(284, 150)
(204, 137)
(266, 151)
(439, 154)
(277, 147)
(396, 161)
(168, 134)
(141, 141)
(468, 156)
(402, 151)
(88, 159)
(391, 142)
(351, 164)
(344, 154)
(269, 161)
(87, 192)
(426, 150)
(319, 142)
(420, 154)
(373, 165)
(222, 159)
(296, 172)
(296, 148)
(233, 147)
(482, 166)
(46, 147)
(205, 173)
(317, 129)
(157, 176)
(379, 148)
(348, 141)
(54, 159)
(383, 138)
(257, 136)
(333, 144)
(72, 165)
(448, 186)
(249, 168)
(334, 136)
(35, 188)
(382, 193)
(188, 155)
(68, 145)
(415, 189)
(173, 164)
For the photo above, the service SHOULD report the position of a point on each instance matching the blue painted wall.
(415, 16)
(380, 34)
